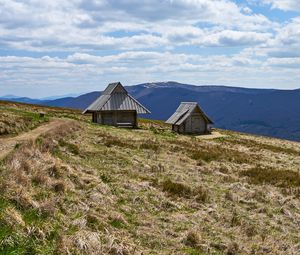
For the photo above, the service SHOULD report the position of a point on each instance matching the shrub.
(268, 175)
(150, 145)
(193, 239)
(73, 148)
(117, 221)
(263, 146)
(59, 187)
(105, 178)
(215, 153)
(232, 249)
(201, 194)
(250, 229)
(92, 221)
(235, 219)
(176, 188)
(114, 141)
(206, 156)
(47, 208)
(55, 171)
(39, 179)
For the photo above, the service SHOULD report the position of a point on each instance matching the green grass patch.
(73, 148)
(116, 223)
(192, 251)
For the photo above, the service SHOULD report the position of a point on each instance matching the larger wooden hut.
(115, 107)
(190, 119)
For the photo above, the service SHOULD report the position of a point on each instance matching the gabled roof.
(116, 98)
(112, 86)
(183, 112)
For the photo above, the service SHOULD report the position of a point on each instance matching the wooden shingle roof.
(116, 98)
(183, 112)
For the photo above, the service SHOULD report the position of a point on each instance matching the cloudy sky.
(58, 47)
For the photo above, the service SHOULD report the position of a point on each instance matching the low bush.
(206, 156)
(176, 188)
(217, 153)
(150, 145)
(276, 177)
(232, 248)
(73, 148)
(201, 194)
(262, 146)
(59, 186)
(193, 239)
(110, 141)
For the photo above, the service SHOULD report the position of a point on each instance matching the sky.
(59, 47)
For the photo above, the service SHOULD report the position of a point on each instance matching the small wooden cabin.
(190, 119)
(115, 107)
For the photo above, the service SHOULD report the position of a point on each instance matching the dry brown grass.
(95, 189)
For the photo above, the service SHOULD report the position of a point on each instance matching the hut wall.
(126, 117)
(181, 128)
(117, 118)
(94, 117)
(195, 123)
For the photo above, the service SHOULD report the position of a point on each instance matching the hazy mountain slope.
(25, 100)
(82, 188)
(267, 112)
(80, 102)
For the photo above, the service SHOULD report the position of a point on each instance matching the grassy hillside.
(14, 121)
(90, 189)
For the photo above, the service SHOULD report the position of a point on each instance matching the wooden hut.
(115, 107)
(190, 119)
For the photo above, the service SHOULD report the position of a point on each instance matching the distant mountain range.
(267, 112)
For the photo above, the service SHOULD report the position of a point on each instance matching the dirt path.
(8, 144)
(213, 135)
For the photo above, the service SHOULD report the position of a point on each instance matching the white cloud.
(236, 38)
(286, 43)
(83, 72)
(287, 5)
(94, 25)
(96, 41)
(284, 62)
